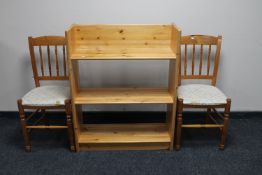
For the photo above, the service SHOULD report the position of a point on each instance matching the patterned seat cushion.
(199, 94)
(46, 96)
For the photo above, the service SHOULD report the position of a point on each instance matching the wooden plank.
(121, 42)
(110, 32)
(202, 126)
(173, 83)
(48, 40)
(46, 127)
(142, 56)
(124, 133)
(123, 52)
(73, 88)
(199, 39)
(123, 96)
(123, 146)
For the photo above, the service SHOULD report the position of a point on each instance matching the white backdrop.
(238, 21)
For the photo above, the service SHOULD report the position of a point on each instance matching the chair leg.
(69, 124)
(179, 123)
(28, 146)
(226, 123)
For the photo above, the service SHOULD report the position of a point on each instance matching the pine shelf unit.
(123, 42)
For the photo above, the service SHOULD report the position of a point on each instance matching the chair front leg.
(179, 123)
(28, 146)
(225, 127)
(69, 124)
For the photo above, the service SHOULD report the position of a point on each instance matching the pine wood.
(174, 66)
(74, 83)
(123, 42)
(64, 61)
(41, 60)
(124, 137)
(203, 41)
(208, 59)
(56, 61)
(48, 42)
(124, 146)
(124, 133)
(46, 127)
(123, 96)
(202, 126)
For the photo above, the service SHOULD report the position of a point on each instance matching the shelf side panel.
(173, 82)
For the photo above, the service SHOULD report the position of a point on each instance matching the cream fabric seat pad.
(46, 96)
(199, 94)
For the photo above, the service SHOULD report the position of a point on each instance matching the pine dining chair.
(49, 63)
(199, 61)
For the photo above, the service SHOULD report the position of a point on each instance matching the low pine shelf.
(123, 42)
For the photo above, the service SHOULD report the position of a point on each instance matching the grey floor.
(199, 153)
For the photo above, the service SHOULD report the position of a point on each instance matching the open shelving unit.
(123, 42)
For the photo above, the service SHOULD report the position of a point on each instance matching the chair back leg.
(28, 146)
(69, 124)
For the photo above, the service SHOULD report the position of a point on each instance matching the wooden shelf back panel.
(121, 42)
(124, 133)
(123, 96)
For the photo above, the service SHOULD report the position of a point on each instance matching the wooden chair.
(49, 64)
(201, 64)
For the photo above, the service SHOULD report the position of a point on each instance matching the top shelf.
(102, 42)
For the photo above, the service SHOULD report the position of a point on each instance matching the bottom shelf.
(124, 136)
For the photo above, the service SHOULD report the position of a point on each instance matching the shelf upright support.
(173, 82)
(74, 86)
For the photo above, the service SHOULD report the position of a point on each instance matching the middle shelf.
(123, 96)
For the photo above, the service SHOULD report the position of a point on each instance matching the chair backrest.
(199, 57)
(48, 58)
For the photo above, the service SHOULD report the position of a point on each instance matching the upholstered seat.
(46, 96)
(200, 94)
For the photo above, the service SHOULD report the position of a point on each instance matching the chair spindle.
(41, 60)
(64, 60)
(185, 60)
(201, 59)
(208, 59)
(193, 59)
(56, 61)
(49, 61)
